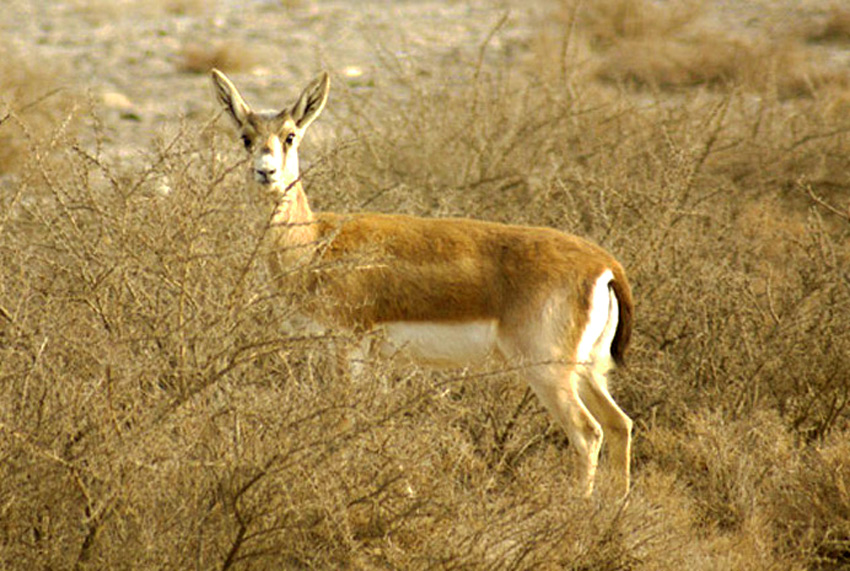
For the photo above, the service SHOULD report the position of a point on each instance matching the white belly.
(441, 344)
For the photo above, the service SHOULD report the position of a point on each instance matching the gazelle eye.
(290, 138)
(246, 140)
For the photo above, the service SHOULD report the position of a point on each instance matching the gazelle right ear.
(230, 98)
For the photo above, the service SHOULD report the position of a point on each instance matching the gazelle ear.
(230, 98)
(312, 101)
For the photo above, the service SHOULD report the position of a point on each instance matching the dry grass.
(154, 412)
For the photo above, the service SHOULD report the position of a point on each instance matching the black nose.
(265, 174)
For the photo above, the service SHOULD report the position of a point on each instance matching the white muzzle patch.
(267, 169)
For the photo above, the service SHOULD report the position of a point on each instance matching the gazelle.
(453, 290)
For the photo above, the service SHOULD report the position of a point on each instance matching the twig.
(568, 37)
(31, 104)
(482, 51)
(824, 204)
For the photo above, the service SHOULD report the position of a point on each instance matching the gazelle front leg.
(352, 356)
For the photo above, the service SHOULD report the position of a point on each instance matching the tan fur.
(364, 270)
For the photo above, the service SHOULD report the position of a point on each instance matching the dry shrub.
(776, 155)
(811, 506)
(671, 63)
(670, 45)
(34, 101)
(750, 483)
(226, 56)
(727, 466)
(183, 7)
(712, 60)
(611, 21)
(833, 27)
(155, 409)
(156, 414)
(99, 12)
(478, 150)
(713, 475)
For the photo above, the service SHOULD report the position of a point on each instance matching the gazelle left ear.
(312, 101)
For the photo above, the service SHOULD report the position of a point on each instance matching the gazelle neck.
(293, 230)
(292, 207)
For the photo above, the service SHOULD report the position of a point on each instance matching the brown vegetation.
(35, 103)
(155, 413)
(227, 56)
(669, 45)
(833, 27)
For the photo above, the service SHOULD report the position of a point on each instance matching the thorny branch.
(845, 214)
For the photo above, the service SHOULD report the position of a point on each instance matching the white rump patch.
(595, 344)
(441, 344)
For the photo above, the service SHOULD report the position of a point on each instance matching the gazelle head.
(272, 137)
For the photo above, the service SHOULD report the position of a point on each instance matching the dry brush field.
(155, 411)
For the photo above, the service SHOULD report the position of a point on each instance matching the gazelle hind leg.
(558, 391)
(616, 425)
(594, 356)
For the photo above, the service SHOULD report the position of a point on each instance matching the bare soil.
(144, 63)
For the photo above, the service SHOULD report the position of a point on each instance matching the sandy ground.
(129, 55)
